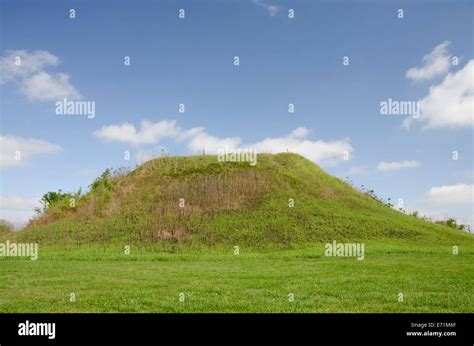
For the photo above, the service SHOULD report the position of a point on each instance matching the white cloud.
(19, 203)
(272, 10)
(299, 132)
(391, 166)
(27, 147)
(148, 133)
(32, 79)
(47, 87)
(319, 151)
(451, 194)
(30, 63)
(434, 64)
(449, 104)
(198, 140)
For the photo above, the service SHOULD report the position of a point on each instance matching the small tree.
(102, 182)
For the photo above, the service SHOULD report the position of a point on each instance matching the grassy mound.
(198, 201)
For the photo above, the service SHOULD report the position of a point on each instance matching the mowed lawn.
(430, 277)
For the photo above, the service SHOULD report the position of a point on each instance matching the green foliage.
(101, 190)
(49, 199)
(57, 200)
(102, 183)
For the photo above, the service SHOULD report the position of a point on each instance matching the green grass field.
(431, 279)
(280, 213)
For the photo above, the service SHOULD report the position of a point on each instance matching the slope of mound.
(283, 200)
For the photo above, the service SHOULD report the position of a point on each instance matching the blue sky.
(282, 60)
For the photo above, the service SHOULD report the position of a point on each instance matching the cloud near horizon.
(19, 203)
(28, 147)
(392, 166)
(450, 194)
(197, 140)
(18, 209)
